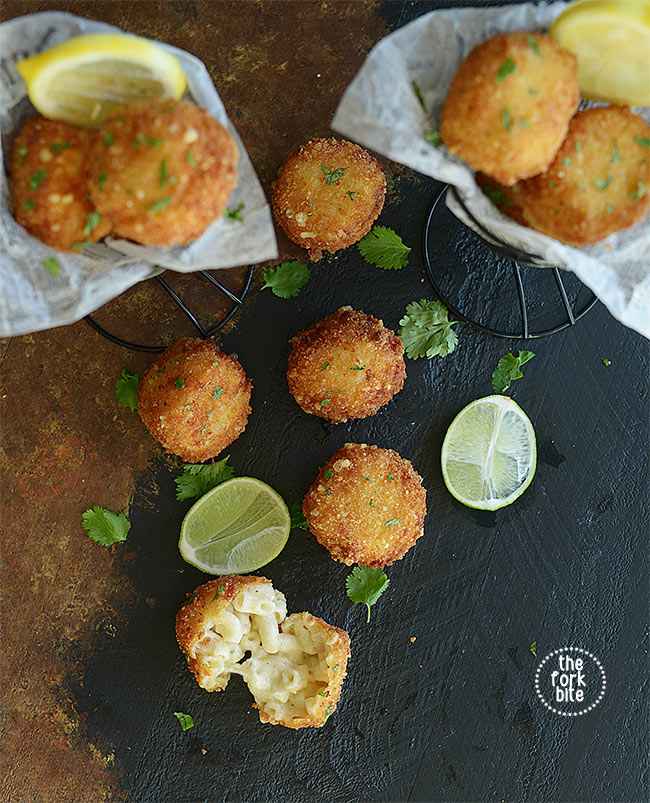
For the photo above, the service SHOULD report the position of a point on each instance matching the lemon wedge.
(611, 40)
(85, 79)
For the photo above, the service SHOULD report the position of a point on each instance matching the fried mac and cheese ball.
(346, 366)
(366, 506)
(49, 164)
(327, 195)
(509, 105)
(162, 171)
(194, 399)
(294, 665)
(599, 181)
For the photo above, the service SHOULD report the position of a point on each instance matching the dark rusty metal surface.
(90, 672)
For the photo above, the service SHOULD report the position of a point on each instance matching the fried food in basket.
(327, 195)
(48, 179)
(509, 105)
(162, 171)
(599, 181)
(366, 506)
(346, 366)
(293, 665)
(194, 399)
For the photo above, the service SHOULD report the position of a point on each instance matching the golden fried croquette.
(295, 666)
(327, 195)
(194, 399)
(48, 176)
(366, 506)
(599, 181)
(346, 366)
(162, 171)
(509, 105)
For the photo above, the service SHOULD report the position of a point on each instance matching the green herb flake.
(189, 158)
(365, 585)
(392, 523)
(298, 520)
(336, 667)
(126, 389)
(101, 181)
(217, 393)
(156, 206)
(552, 184)
(332, 176)
(37, 179)
(190, 599)
(639, 192)
(327, 399)
(508, 369)
(199, 478)
(532, 42)
(215, 363)
(163, 173)
(52, 265)
(328, 491)
(179, 382)
(506, 68)
(371, 503)
(367, 479)
(566, 161)
(203, 431)
(434, 138)
(358, 368)
(29, 204)
(390, 478)
(603, 183)
(328, 713)
(325, 366)
(497, 196)
(524, 123)
(643, 141)
(351, 193)
(321, 694)
(22, 152)
(175, 362)
(80, 246)
(507, 120)
(328, 474)
(233, 214)
(533, 648)
(185, 720)
(187, 406)
(108, 139)
(219, 590)
(609, 208)
(92, 221)
(605, 361)
(418, 94)
(57, 147)
(615, 156)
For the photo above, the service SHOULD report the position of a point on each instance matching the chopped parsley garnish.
(392, 523)
(189, 158)
(203, 430)
(327, 399)
(126, 389)
(22, 152)
(92, 221)
(80, 246)
(187, 406)
(215, 363)
(105, 527)
(158, 373)
(533, 45)
(418, 94)
(332, 176)
(101, 181)
(286, 280)
(190, 599)
(217, 392)
(434, 138)
(426, 330)
(233, 214)
(328, 474)
(29, 204)
(506, 68)
(371, 503)
(156, 206)
(390, 478)
(615, 157)
(508, 369)
(218, 594)
(605, 361)
(552, 184)
(533, 648)
(365, 585)
(108, 139)
(384, 248)
(199, 478)
(367, 479)
(298, 520)
(524, 123)
(140, 137)
(352, 193)
(358, 368)
(52, 265)
(507, 120)
(603, 183)
(609, 208)
(328, 491)
(566, 161)
(639, 192)
(643, 141)
(325, 366)
(179, 382)
(497, 196)
(57, 147)
(163, 173)
(36, 180)
(185, 720)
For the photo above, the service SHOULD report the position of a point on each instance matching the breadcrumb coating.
(347, 365)
(366, 506)
(327, 195)
(509, 105)
(194, 399)
(162, 171)
(49, 167)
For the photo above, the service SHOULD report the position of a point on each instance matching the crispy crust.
(321, 216)
(207, 601)
(60, 206)
(210, 410)
(565, 202)
(341, 341)
(346, 523)
(509, 125)
(199, 173)
(339, 651)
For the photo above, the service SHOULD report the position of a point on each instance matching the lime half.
(489, 453)
(235, 528)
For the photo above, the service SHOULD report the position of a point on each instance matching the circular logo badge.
(570, 681)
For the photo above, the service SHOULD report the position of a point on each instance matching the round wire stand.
(518, 258)
(237, 304)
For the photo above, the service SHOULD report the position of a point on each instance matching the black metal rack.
(519, 259)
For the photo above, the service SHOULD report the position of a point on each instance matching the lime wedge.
(611, 40)
(489, 453)
(83, 80)
(235, 528)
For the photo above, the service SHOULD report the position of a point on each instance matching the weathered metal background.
(90, 673)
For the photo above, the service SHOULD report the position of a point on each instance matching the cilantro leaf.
(233, 214)
(332, 176)
(185, 720)
(104, 527)
(384, 248)
(366, 585)
(426, 330)
(286, 280)
(199, 478)
(126, 390)
(52, 265)
(508, 370)
(298, 520)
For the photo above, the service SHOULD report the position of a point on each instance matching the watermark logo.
(570, 681)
